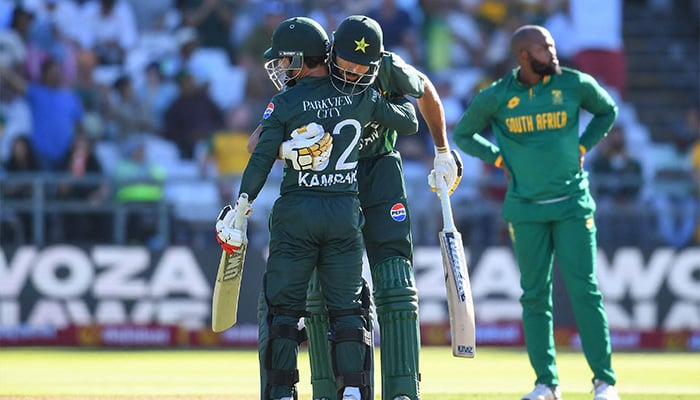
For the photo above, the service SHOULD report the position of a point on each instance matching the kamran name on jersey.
(538, 122)
(327, 108)
(310, 179)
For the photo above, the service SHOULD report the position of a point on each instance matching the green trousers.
(569, 235)
(307, 232)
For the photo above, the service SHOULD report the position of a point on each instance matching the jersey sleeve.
(476, 119)
(403, 79)
(596, 100)
(399, 115)
(264, 155)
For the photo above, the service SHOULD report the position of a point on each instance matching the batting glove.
(448, 167)
(309, 148)
(229, 236)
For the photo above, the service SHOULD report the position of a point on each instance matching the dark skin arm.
(253, 139)
(431, 108)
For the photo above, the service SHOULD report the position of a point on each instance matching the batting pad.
(396, 300)
(322, 376)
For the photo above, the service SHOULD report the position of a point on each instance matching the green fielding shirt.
(315, 99)
(395, 79)
(537, 132)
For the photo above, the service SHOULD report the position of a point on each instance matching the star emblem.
(361, 45)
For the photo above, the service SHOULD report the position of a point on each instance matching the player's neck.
(529, 78)
(321, 70)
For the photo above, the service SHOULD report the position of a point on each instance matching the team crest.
(557, 98)
(361, 45)
(513, 102)
(398, 212)
(268, 111)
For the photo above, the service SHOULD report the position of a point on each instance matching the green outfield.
(495, 374)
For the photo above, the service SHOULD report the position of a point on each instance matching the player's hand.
(231, 226)
(448, 167)
(309, 148)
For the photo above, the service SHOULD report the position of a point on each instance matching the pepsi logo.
(398, 212)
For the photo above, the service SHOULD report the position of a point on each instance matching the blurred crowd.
(154, 101)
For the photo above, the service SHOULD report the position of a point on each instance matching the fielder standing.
(534, 115)
(316, 221)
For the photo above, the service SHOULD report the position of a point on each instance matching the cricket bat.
(459, 293)
(224, 303)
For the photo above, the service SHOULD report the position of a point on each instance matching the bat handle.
(448, 222)
(241, 206)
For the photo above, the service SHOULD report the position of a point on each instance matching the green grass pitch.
(495, 374)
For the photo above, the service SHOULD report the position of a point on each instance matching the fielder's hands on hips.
(448, 167)
(231, 225)
(309, 148)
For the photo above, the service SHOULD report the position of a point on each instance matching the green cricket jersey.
(314, 99)
(395, 79)
(537, 132)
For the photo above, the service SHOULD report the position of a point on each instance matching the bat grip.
(242, 208)
(448, 222)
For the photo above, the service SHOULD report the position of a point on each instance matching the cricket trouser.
(570, 235)
(307, 232)
(389, 246)
(387, 230)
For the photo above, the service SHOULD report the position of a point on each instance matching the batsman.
(316, 221)
(358, 62)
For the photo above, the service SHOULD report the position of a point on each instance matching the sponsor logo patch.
(268, 111)
(513, 102)
(398, 212)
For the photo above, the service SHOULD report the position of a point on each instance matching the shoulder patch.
(268, 111)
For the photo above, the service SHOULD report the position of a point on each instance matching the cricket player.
(534, 115)
(358, 62)
(316, 222)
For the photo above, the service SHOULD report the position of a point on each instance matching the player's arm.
(263, 157)
(475, 119)
(447, 164)
(433, 113)
(596, 100)
(399, 114)
(230, 235)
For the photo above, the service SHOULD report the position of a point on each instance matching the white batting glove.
(231, 226)
(309, 148)
(446, 166)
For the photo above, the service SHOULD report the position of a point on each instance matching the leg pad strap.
(279, 377)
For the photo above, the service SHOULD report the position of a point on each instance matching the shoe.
(286, 398)
(402, 397)
(543, 392)
(604, 391)
(351, 393)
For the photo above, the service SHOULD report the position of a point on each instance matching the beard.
(545, 69)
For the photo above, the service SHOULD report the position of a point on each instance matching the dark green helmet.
(298, 35)
(358, 40)
(292, 41)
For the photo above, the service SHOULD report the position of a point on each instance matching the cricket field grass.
(495, 374)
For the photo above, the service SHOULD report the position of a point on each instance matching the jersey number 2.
(342, 163)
